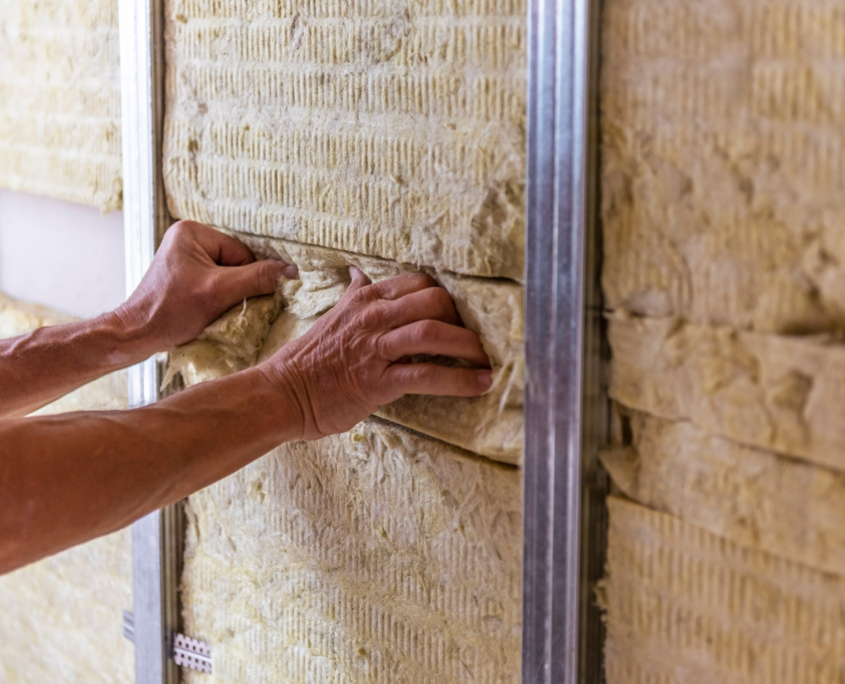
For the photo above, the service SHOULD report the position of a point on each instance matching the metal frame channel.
(155, 538)
(566, 402)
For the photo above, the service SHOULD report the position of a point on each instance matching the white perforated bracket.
(186, 652)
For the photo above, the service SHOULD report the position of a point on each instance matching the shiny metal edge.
(566, 411)
(155, 538)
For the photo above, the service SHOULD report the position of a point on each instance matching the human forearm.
(66, 479)
(49, 362)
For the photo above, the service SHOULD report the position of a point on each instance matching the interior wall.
(66, 256)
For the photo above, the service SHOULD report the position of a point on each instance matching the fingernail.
(291, 272)
(485, 378)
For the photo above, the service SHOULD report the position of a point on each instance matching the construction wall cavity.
(389, 136)
(61, 617)
(724, 224)
(60, 100)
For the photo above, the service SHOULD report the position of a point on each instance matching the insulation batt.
(394, 128)
(754, 497)
(781, 393)
(60, 100)
(60, 617)
(491, 425)
(685, 605)
(377, 555)
(723, 172)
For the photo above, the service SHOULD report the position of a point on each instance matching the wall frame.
(566, 411)
(155, 538)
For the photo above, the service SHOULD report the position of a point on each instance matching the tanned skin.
(69, 478)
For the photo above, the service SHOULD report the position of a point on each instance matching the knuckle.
(421, 281)
(266, 276)
(427, 331)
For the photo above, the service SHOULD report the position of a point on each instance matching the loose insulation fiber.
(60, 618)
(377, 555)
(723, 149)
(389, 128)
(60, 100)
(491, 425)
(685, 605)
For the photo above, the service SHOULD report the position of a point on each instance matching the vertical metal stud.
(155, 538)
(566, 405)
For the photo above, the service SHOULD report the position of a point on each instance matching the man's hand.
(354, 359)
(197, 275)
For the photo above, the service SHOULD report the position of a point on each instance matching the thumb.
(257, 278)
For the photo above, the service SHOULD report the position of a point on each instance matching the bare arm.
(66, 479)
(197, 275)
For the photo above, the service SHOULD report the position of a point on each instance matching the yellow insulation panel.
(60, 100)
(685, 605)
(776, 392)
(394, 129)
(373, 556)
(60, 618)
(723, 178)
(754, 497)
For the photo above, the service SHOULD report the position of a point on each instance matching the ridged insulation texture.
(685, 605)
(723, 192)
(374, 556)
(60, 618)
(491, 425)
(394, 128)
(751, 496)
(723, 177)
(60, 100)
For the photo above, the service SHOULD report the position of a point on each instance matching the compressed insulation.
(60, 618)
(685, 605)
(394, 129)
(491, 425)
(753, 497)
(723, 172)
(776, 392)
(377, 555)
(60, 100)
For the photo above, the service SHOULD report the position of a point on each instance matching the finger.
(359, 280)
(258, 278)
(401, 285)
(433, 302)
(436, 339)
(223, 249)
(442, 381)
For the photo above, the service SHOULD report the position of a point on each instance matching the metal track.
(566, 405)
(155, 538)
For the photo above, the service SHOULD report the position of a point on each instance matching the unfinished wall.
(60, 618)
(60, 100)
(723, 214)
(388, 135)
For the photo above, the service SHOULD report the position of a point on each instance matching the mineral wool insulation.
(723, 214)
(60, 617)
(388, 135)
(60, 100)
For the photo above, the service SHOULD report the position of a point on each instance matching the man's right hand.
(354, 359)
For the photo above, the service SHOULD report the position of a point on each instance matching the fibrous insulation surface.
(754, 497)
(60, 100)
(685, 605)
(781, 393)
(723, 152)
(60, 618)
(491, 425)
(395, 129)
(373, 556)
